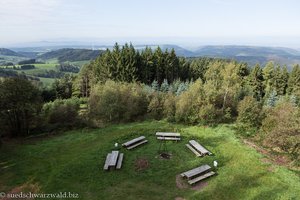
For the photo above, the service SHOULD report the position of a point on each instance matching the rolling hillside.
(252, 54)
(8, 52)
(69, 54)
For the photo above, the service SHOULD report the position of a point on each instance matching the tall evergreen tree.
(268, 75)
(280, 80)
(255, 82)
(294, 81)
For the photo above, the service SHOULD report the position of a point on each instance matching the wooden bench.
(197, 148)
(193, 150)
(135, 142)
(113, 160)
(168, 136)
(197, 174)
(202, 177)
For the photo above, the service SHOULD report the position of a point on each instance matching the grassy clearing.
(47, 82)
(74, 161)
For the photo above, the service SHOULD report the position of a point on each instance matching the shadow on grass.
(236, 187)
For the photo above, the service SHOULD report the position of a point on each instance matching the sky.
(185, 22)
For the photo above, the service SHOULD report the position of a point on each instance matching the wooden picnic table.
(133, 141)
(113, 160)
(199, 147)
(199, 170)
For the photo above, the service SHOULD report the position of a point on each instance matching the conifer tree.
(155, 85)
(255, 82)
(164, 86)
(271, 101)
(268, 75)
(294, 81)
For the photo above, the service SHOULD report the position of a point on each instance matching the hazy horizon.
(187, 23)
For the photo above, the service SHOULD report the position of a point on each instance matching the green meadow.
(73, 162)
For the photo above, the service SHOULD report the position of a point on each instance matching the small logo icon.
(2, 194)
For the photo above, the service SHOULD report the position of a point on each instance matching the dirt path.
(270, 158)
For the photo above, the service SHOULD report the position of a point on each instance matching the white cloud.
(18, 12)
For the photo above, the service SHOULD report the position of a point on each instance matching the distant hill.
(69, 54)
(251, 54)
(29, 54)
(179, 50)
(8, 52)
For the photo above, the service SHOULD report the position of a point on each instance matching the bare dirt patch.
(141, 164)
(259, 149)
(200, 185)
(281, 160)
(266, 160)
(180, 182)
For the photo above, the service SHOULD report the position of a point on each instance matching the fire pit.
(165, 155)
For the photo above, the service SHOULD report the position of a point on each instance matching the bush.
(117, 102)
(62, 113)
(208, 114)
(281, 128)
(189, 103)
(249, 113)
(169, 107)
(155, 107)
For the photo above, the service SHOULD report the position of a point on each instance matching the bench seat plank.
(120, 160)
(165, 134)
(204, 176)
(113, 158)
(137, 144)
(133, 141)
(196, 171)
(168, 138)
(199, 147)
(193, 150)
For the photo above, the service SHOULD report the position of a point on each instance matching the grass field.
(73, 162)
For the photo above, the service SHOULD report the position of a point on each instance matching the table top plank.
(114, 158)
(199, 147)
(196, 171)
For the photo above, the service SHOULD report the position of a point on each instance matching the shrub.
(189, 103)
(62, 113)
(169, 107)
(208, 114)
(155, 107)
(249, 113)
(117, 102)
(281, 128)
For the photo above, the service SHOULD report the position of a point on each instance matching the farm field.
(73, 162)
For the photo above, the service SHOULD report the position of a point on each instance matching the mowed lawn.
(73, 162)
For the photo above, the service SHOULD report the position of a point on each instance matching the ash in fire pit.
(165, 155)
